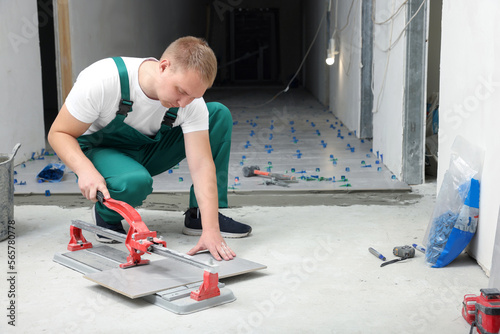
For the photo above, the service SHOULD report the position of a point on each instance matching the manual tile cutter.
(140, 240)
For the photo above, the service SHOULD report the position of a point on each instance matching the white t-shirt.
(96, 94)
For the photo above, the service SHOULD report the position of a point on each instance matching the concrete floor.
(320, 276)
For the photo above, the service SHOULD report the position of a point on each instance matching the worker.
(164, 121)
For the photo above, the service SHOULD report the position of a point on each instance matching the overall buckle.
(169, 119)
(124, 107)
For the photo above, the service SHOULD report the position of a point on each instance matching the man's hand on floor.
(215, 244)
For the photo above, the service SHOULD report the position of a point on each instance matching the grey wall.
(21, 112)
(101, 29)
(345, 73)
(315, 69)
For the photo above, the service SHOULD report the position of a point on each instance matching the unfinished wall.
(389, 84)
(20, 85)
(345, 73)
(316, 71)
(101, 29)
(470, 96)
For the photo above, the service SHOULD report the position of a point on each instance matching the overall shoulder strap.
(125, 104)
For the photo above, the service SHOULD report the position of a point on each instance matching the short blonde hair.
(193, 53)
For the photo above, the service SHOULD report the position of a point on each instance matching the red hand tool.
(255, 170)
(139, 238)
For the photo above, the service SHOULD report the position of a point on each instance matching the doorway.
(48, 60)
(433, 74)
(254, 45)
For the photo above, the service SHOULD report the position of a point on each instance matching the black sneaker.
(117, 227)
(229, 228)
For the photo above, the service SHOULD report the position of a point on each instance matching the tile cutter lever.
(140, 240)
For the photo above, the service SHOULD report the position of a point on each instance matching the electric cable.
(404, 28)
(348, 16)
(390, 17)
(392, 44)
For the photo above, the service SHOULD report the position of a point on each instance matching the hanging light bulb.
(330, 60)
(330, 52)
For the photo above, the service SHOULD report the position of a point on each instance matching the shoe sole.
(196, 232)
(100, 238)
(105, 240)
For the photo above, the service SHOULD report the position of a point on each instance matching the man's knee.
(132, 187)
(220, 117)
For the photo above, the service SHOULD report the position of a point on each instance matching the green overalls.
(128, 159)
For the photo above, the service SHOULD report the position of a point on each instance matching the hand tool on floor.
(377, 254)
(255, 170)
(404, 253)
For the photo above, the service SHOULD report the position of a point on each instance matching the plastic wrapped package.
(456, 212)
(51, 173)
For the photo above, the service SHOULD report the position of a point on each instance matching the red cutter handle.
(139, 237)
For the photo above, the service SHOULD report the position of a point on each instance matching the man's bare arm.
(202, 169)
(62, 137)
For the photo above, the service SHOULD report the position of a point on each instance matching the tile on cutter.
(165, 274)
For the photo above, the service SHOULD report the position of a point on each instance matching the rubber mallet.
(255, 170)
